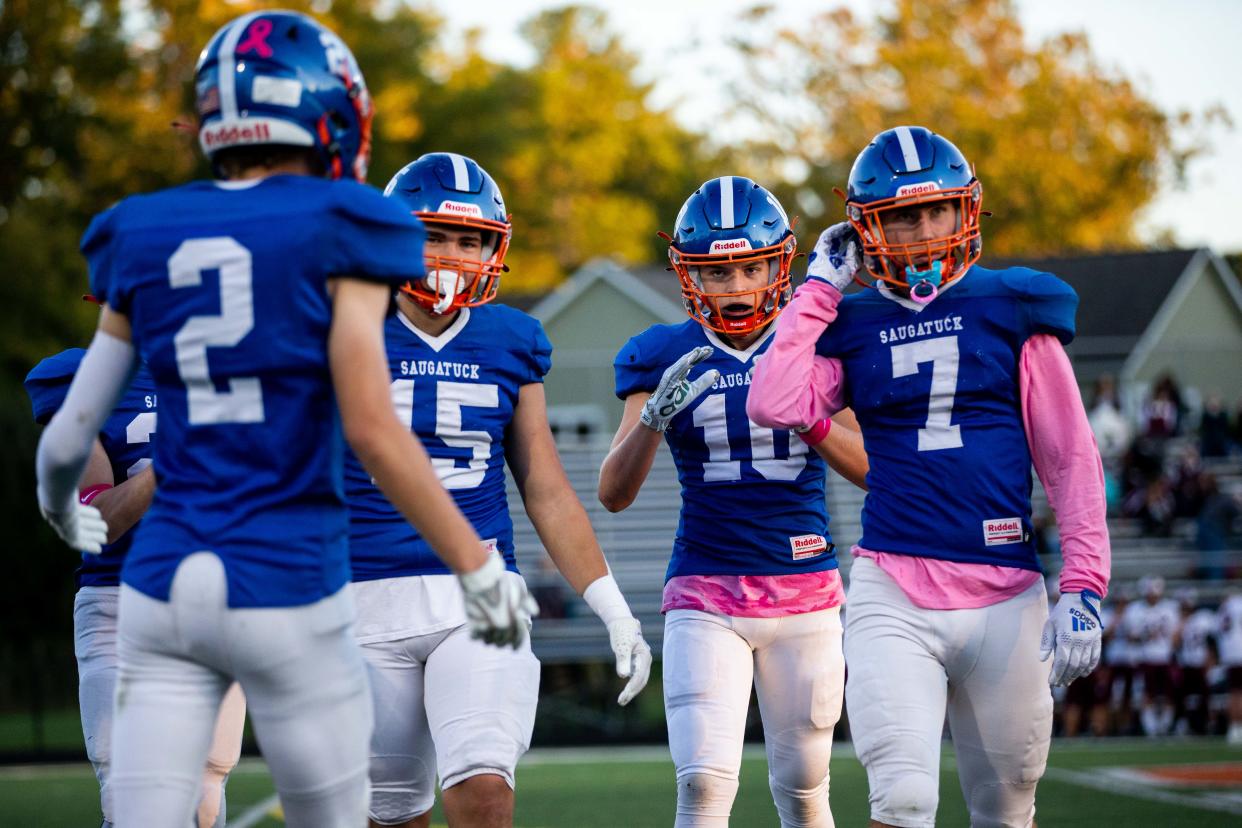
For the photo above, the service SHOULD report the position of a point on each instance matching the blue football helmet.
(912, 165)
(279, 77)
(451, 190)
(731, 220)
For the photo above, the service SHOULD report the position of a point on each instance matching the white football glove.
(675, 392)
(625, 636)
(81, 526)
(498, 608)
(835, 258)
(1073, 631)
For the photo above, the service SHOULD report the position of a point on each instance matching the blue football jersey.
(752, 499)
(126, 439)
(936, 394)
(458, 392)
(225, 285)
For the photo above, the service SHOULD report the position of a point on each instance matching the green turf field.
(1098, 784)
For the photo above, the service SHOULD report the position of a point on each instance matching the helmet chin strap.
(924, 284)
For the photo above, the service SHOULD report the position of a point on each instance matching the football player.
(752, 594)
(467, 378)
(119, 482)
(257, 303)
(1230, 646)
(1151, 624)
(958, 378)
(1197, 626)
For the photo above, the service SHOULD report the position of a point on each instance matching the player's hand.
(81, 526)
(675, 392)
(625, 636)
(1073, 632)
(498, 608)
(835, 258)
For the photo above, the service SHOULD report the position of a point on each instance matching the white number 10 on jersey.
(721, 468)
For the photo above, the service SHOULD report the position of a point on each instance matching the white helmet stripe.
(726, 202)
(461, 175)
(226, 63)
(908, 149)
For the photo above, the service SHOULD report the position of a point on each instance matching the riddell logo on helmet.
(729, 245)
(807, 546)
(918, 189)
(460, 209)
(231, 135)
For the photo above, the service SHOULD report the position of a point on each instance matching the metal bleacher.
(638, 540)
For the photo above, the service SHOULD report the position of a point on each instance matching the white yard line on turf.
(255, 814)
(1115, 784)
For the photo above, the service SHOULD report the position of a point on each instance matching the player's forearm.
(842, 449)
(66, 443)
(565, 530)
(626, 467)
(791, 385)
(1067, 461)
(124, 505)
(400, 467)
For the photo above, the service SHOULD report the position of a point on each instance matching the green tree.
(587, 166)
(1069, 152)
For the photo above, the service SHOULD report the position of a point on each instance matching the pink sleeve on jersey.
(791, 385)
(1067, 461)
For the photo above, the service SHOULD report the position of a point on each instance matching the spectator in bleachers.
(1197, 626)
(1154, 505)
(1187, 481)
(1150, 624)
(1214, 436)
(1235, 429)
(1111, 429)
(1216, 529)
(1162, 413)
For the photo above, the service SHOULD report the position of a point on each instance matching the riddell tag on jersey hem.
(1000, 531)
(490, 546)
(808, 546)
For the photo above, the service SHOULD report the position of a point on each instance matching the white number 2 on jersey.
(243, 401)
(719, 468)
(451, 397)
(941, 352)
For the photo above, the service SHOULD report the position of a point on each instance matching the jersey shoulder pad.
(1051, 304)
(98, 249)
(372, 237)
(642, 360)
(528, 340)
(48, 382)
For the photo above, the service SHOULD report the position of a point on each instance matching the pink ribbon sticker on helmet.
(257, 38)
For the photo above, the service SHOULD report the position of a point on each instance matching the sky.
(1182, 54)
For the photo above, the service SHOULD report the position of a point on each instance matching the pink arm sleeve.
(1067, 461)
(792, 386)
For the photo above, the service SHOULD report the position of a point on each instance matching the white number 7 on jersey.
(941, 352)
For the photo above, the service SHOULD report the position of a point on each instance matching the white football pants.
(445, 701)
(908, 664)
(305, 683)
(94, 634)
(797, 669)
